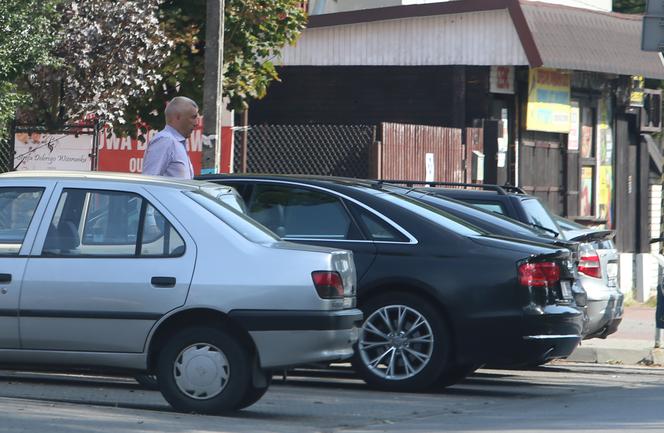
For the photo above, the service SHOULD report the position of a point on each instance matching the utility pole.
(212, 86)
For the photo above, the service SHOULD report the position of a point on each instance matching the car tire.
(406, 355)
(455, 374)
(204, 370)
(147, 381)
(254, 393)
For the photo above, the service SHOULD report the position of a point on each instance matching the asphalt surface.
(554, 398)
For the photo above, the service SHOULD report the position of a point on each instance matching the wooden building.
(560, 87)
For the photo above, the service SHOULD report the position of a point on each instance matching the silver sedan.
(147, 275)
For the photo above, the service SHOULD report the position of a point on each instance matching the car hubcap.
(201, 371)
(396, 342)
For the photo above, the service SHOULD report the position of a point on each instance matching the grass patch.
(651, 302)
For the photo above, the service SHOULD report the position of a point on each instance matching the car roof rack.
(500, 189)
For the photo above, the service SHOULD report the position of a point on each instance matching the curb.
(604, 355)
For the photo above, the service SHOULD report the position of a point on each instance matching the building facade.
(560, 87)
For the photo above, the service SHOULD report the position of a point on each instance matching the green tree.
(109, 52)
(254, 33)
(629, 6)
(26, 40)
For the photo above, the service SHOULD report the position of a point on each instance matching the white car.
(598, 275)
(141, 274)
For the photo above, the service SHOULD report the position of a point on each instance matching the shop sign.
(501, 79)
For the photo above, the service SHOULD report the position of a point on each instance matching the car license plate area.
(566, 290)
(612, 274)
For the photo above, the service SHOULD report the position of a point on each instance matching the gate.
(410, 152)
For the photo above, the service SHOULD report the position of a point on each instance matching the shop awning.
(478, 32)
(578, 39)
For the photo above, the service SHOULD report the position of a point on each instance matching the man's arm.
(157, 156)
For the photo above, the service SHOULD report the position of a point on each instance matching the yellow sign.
(548, 101)
(636, 91)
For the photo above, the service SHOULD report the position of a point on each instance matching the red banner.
(125, 154)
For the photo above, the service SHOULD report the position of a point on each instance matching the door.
(18, 206)
(107, 266)
(626, 186)
(308, 215)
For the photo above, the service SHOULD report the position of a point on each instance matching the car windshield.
(225, 194)
(431, 213)
(237, 220)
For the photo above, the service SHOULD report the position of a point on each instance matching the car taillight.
(328, 284)
(539, 274)
(589, 264)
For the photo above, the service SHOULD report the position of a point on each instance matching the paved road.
(560, 397)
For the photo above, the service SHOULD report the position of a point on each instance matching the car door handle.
(5, 278)
(163, 281)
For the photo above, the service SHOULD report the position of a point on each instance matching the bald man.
(166, 154)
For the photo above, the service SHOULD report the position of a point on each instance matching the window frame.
(38, 210)
(38, 249)
(353, 223)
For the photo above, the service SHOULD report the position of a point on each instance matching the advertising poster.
(586, 194)
(548, 101)
(35, 151)
(575, 120)
(604, 199)
(586, 141)
(605, 132)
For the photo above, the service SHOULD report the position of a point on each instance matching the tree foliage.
(109, 52)
(25, 42)
(254, 33)
(629, 6)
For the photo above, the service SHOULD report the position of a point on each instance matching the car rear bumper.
(529, 336)
(290, 338)
(604, 316)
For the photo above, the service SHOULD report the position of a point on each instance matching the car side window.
(300, 213)
(106, 223)
(17, 207)
(159, 237)
(377, 228)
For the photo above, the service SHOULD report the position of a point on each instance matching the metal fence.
(335, 150)
(6, 155)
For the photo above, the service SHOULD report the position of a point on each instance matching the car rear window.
(433, 214)
(491, 207)
(237, 220)
(470, 212)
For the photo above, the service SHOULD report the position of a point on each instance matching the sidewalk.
(633, 343)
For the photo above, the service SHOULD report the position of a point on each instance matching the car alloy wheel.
(201, 371)
(403, 344)
(396, 342)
